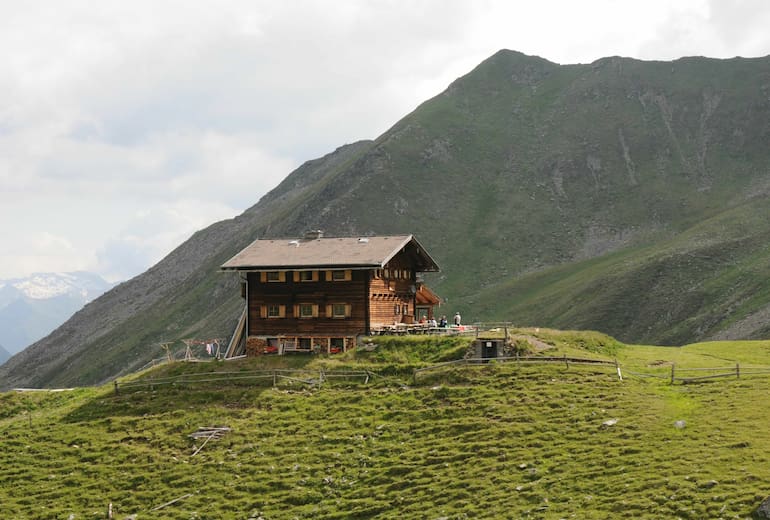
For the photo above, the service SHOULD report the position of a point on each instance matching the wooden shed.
(319, 294)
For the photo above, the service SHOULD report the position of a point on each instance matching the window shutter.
(296, 311)
(315, 276)
(282, 311)
(282, 276)
(263, 277)
(348, 275)
(328, 276)
(263, 311)
(315, 311)
(329, 311)
(296, 276)
(348, 310)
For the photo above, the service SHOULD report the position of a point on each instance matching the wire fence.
(273, 377)
(316, 378)
(695, 375)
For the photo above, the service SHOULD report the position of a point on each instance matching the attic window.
(305, 276)
(339, 276)
(272, 276)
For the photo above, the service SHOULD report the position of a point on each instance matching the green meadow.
(493, 440)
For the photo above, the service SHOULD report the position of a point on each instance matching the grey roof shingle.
(347, 252)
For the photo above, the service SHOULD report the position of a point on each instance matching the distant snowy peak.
(42, 286)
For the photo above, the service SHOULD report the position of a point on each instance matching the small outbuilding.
(489, 348)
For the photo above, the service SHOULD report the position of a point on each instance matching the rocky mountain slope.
(624, 196)
(32, 307)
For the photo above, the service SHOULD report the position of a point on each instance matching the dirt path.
(538, 344)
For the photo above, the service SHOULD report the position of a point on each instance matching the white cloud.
(21, 255)
(177, 113)
(152, 234)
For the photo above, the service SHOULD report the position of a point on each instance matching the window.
(305, 276)
(305, 343)
(306, 310)
(274, 276)
(405, 309)
(397, 310)
(275, 311)
(340, 275)
(338, 310)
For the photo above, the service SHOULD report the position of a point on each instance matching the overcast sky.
(127, 125)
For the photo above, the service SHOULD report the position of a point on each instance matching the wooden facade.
(322, 293)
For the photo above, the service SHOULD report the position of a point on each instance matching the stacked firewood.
(255, 346)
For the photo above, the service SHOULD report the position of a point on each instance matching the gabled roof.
(332, 253)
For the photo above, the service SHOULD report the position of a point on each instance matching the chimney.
(313, 234)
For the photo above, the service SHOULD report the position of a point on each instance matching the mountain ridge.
(518, 168)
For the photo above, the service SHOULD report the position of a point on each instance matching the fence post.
(116, 387)
(738, 370)
(672, 372)
(566, 361)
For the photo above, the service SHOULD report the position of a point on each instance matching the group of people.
(424, 320)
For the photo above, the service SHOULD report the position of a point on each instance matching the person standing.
(458, 319)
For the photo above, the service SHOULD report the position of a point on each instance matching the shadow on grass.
(142, 401)
(183, 385)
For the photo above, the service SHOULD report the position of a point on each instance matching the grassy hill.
(623, 196)
(714, 275)
(487, 441)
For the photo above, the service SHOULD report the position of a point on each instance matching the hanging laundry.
(208, 348)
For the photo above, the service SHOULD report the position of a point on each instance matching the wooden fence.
(695, 375)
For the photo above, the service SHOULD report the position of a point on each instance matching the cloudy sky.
(126, 126)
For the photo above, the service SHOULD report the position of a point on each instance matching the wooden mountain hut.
(320, 294)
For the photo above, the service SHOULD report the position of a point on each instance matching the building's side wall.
(391, 293)
(322, 292)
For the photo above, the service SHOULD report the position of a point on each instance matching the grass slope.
(699, 283)
(491, 441)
